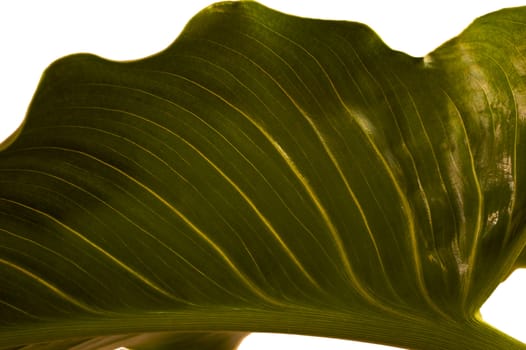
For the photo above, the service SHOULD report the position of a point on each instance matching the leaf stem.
(414, 332)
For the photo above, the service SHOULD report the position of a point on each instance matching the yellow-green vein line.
(260, 215)
(189, 223)
(362, 290)
(125, 218)
(406, 208)
(478, 226)
(443, 186)
(69, 261)
(312, 194)
(17, 309)
(100, 250)
(50, 286)
(315, 200)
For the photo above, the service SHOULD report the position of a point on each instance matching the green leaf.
(268, 173)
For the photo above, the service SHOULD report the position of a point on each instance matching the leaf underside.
(147, 341)
(268, 173)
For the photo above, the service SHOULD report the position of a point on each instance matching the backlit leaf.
(268, 173)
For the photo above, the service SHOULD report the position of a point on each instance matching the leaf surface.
(269, 173)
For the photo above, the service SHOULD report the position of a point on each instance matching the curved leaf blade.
(267, 162)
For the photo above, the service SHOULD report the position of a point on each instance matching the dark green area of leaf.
(269, 173)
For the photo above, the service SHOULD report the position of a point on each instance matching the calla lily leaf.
(268, 173)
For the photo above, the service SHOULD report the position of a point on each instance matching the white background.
(34, 33)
